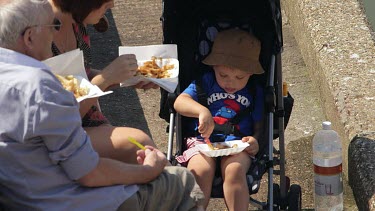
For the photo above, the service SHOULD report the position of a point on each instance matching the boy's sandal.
(102, 25)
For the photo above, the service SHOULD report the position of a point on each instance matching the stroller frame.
(274, 106)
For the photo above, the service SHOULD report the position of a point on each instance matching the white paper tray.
(169, 84)
(93, 90)
(71, 63)
(144, 53)
(204, 149)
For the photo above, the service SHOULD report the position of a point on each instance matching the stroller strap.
(227, 129)
(230, 126)
(202, 95)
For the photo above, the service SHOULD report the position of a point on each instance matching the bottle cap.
(285, 89)
(326, 125)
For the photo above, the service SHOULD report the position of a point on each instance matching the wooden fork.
(208, 142)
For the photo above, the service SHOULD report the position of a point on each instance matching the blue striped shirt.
(43, 147)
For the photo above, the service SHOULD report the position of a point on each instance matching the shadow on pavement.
(122, 107)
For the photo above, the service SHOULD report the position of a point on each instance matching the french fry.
(70, 83)
(208, 142)
(153, 70)
(218, 146)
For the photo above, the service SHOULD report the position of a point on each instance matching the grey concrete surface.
(338, 48)
(136, 22)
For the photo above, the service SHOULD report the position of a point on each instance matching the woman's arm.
(85, 105)
(141, 85)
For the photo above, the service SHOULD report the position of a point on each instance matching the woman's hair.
(17, 15)
(79, 9)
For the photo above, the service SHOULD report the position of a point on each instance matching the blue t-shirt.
(224, 106)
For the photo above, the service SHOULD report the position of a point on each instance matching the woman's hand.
(122, 68)
(206, 123)
(253, 149)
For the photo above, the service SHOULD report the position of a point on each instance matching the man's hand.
(253, 149)
(152, 158)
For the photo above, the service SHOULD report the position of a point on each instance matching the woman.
(108, 141)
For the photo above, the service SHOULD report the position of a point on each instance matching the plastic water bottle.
(327, 161)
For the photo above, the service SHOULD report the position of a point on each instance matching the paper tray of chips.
(145, 53)
(71, 63)
(204, 149)
(93, 90)
(167, 82)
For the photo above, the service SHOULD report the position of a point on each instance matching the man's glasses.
(56, 25)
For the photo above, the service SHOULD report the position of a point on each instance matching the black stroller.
(185, 23)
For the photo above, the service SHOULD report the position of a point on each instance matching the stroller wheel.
(287, 182)
(295, 198)
(276, 196)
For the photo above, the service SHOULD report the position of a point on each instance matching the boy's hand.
(253, 149)
(206, 123)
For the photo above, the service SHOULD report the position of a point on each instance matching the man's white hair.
(17, 15)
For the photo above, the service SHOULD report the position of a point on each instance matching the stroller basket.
(191, 25)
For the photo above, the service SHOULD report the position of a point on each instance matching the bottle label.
(328, 185)
(326, 159)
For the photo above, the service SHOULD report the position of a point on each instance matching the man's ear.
(28, 38)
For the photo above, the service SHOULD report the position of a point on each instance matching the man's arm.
(67, 144)
(113, 172)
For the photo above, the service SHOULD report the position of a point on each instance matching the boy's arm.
(256, 142)
(187, 106)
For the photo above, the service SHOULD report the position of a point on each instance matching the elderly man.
(46, 159)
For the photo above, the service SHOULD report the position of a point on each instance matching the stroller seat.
(207, 32)
(193, 25)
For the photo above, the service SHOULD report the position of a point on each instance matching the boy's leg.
(174, 189)
(203, 168)
(236, 192)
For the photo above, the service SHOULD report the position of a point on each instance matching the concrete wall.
(337, 46)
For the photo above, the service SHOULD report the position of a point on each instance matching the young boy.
(234, 59)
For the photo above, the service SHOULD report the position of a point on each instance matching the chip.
(70, 83)
(153, 70)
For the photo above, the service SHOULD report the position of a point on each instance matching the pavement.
(136, 22)
(337, 45)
